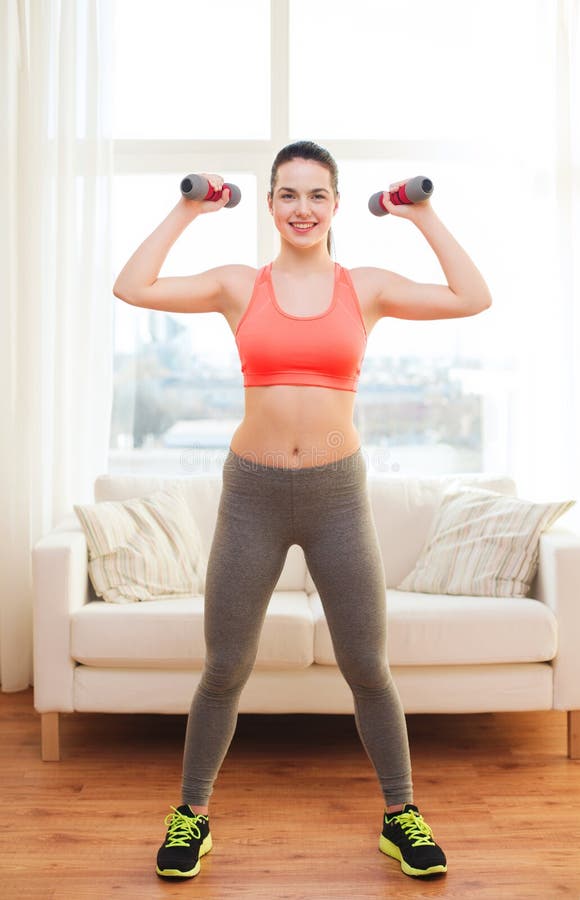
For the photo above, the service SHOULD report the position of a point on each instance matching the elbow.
(119, 293)
(486, 299)
(474, 307)
(483, 303)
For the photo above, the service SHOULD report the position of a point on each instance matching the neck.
(311, 259)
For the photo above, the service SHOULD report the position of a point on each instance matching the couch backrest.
(403, 509)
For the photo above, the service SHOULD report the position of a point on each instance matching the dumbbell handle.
(196, 187)
(412, 191)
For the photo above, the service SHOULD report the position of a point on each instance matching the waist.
(352, 461)
(302, 449)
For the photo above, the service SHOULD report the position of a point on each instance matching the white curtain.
(56, 333)
(544, 423)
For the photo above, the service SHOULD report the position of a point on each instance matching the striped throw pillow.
(482, 544)
(144, 548)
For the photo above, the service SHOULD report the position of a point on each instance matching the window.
(393, 90)
(192, 71)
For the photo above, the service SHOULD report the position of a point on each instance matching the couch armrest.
(61, 585)
(558, 586)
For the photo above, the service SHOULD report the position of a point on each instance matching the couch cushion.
(170, 634)
(144, 548)
(202, 492)
(404, 509)
(482, 544)
(428, 629)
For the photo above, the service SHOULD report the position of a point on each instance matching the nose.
(303, 208)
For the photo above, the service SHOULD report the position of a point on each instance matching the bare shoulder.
(235, 279)
(366, 285)
(365, 281)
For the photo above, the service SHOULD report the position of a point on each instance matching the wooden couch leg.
(574, 733)
(50, 738)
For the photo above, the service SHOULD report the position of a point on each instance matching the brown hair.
(307, 150)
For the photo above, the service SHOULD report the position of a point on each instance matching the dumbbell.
(196, 187)
(412, 191)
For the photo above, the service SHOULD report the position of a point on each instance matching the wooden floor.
(296, 810)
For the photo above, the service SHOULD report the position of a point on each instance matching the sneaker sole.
(177, 873)
(387, 846)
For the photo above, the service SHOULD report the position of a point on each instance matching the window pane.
(178, 382)
(464, 200)
(192, 70)
(414, 70)
(427, 386)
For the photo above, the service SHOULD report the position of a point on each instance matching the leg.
(573, 719)
(49, 737)
(248, 552)
(343, 555)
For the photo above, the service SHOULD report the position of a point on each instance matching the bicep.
(403, 298)
(204, 292)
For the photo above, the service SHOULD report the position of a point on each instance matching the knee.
(367, 672)
(225, 676)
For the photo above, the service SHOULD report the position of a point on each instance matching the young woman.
(295, 473)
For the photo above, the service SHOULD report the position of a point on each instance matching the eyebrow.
(313, 191)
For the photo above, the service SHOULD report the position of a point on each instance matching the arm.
(466, 293)
(138, 282)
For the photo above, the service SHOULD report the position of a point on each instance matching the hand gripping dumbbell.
(412, 191)
(196, 187)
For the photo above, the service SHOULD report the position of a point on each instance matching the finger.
(215, 180)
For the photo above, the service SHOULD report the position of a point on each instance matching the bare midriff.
(294, 426)
(290, 425)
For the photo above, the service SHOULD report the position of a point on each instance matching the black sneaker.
(407, 837)
(187, 839)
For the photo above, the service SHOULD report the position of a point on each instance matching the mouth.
(303, 227)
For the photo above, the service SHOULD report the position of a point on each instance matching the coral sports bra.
(326, 350)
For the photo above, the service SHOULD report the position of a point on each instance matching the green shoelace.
(181, 829)
(415, 828)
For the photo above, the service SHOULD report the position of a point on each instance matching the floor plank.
(296, 810)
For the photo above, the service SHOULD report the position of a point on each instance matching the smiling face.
(303, 194)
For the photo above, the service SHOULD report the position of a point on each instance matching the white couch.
(448, 654)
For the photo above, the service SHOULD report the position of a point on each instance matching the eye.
(318, 196)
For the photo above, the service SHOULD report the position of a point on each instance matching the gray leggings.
(326, 510)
